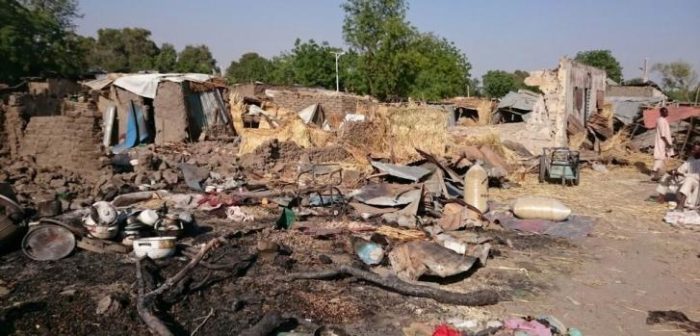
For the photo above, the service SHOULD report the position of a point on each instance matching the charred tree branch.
(475, 298)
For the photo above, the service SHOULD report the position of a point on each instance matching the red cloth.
(674, 114)
(445, 330)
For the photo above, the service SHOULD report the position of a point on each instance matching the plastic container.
(476, 187)
(154, 247)
(370, 253)
(537, 207)
(148, 217)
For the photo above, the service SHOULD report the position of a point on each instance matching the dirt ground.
(632, 263)
(603, 284)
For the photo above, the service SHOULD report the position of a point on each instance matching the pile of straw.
(491, 140)
(413, 127)
(291, 128)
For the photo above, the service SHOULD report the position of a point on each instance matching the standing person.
(663, 145)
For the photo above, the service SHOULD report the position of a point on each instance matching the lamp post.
(337, 76)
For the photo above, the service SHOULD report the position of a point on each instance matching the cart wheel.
(543, 168)
(577, 180)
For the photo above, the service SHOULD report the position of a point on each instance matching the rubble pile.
(391, 214)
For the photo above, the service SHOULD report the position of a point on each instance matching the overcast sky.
(494, 34)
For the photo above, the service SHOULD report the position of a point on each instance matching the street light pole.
(337, 76)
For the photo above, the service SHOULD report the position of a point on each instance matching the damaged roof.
(522, 100)
(145, 85)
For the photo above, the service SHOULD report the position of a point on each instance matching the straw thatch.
(414, 127)
(291, 128)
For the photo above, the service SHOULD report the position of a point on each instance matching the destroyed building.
(572, 91)
(317, 185)
(334, 105)
(174, 107)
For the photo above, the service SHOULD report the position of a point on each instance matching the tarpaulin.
(146, 85)
(674, 114)
(574, 227)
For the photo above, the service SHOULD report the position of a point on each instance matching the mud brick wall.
(72, 141)
(170, 113)
(335, 105)
(12, 124)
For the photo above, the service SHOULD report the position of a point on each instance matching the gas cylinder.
(476, 187)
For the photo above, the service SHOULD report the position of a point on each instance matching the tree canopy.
(497, 83)
(394, 60)
(679, 79)
(33, 43)
(63, 12)
(250, 67)
(602, 59)
(167, 58)
(124, 50)
(196, 59)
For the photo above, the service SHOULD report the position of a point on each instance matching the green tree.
(440, 69)
(32, 43)
(124, 50)
(63, 12)
(392, 60)
(196, 59)
(250, 67)
(282, 69)
(497, 83)
(602, 59)
(166, 59)
(678, 79)
(313, 64)
(379, 32)
(352, 79)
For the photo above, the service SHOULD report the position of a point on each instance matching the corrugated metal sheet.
(522, 100)
(627, 109)
(207, 109)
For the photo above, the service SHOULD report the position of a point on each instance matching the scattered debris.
(411, 260)
(674, 318)
(227, 202)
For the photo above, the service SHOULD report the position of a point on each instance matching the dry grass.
(489, 139)
(291, 128)
(414, 127)
(598, 195)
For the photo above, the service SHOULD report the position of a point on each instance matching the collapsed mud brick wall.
(633, 91)
(13, 121)
(170, 113)
(573, 89)
(46, 96)
(334, 104)
(72, 141)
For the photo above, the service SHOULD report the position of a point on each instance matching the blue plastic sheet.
(132, 134)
